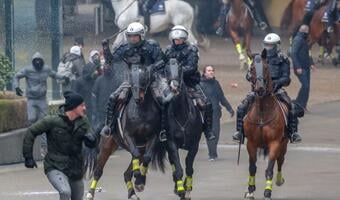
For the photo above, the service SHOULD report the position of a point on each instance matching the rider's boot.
(208, 114)
(238, 135)
(293, 126)
(163, 133)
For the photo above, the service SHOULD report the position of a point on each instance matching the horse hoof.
(134, 197)
(249, 196)
(89, 196)
(280, 182)
(139, 188)
(187, 195)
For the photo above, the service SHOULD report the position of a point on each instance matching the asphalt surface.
(311, 169)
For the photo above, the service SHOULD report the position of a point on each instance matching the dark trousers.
(303, 95)
(212, 145)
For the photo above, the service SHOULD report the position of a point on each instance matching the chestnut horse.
(239, 19)
(264, 127)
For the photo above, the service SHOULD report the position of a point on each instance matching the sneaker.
(219, 31)
(211, 159)
(210, 136)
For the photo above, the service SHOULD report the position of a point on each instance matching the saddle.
(157, 8)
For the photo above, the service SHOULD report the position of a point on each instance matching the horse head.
(140, 80)
(174, 74)
(260, 75)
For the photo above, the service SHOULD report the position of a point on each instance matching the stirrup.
(162, 136)
(263, 26)
(219, 31)
(295, 138)
(330, 29)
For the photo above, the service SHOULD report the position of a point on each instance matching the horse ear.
(264, 54)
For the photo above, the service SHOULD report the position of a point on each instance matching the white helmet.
(135, 28)
(75, 50)
(272, 41)
(178, 32)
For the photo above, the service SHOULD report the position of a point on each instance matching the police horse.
(164, 14)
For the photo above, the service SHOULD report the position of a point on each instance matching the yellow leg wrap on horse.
(188, 182)
(180, 186)
(251, 180)
(143, 170)
(238, 48)
(269, 185)
(129, 185)
(173, 168)
(94, 184)
(249, 60)
(135, 164)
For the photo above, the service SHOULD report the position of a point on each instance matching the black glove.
(276, 87)
(105, 44)
(18, 91)
(106, 131)
(30, 163)
(90, 140)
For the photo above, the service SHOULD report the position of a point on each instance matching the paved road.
(311, 170)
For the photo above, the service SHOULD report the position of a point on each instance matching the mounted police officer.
(255, 8)
(137, 50)
(279, 67)
(146, 6)
(187, 57)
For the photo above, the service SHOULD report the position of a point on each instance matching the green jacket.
(65, 143)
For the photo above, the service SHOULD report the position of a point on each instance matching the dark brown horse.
(240, 20)
(264, 127)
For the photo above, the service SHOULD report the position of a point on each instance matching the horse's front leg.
(252, 151)
(246, 44)
(177, 170)
(135, 154)
(238, 46)
(189, 169)
(107, 146)
(279, 177)
(141, 180)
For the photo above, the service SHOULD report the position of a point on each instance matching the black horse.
(185, 126)
(138, 127)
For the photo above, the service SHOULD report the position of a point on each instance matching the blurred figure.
(84, 84)
(79, 41)
(255, 7)
(103, 87)
(302, 63)
(71, 67)
(212, 89)
(36, 76)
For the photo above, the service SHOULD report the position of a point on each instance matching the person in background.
(36, 75)
(212, 89)
(302, 63)
(66, 133)
(84, 84)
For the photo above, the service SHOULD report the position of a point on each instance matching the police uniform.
(145, 53)
(187, 57)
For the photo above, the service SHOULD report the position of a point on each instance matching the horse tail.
(287, 16)
(90, 156)
(158, 156)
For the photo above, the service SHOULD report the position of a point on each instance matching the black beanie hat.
(72, 100)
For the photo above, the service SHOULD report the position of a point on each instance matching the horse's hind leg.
(246, 44)
(107, 146)
(189, 169)
(252, 152)
(279, 177)
(129, 185)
